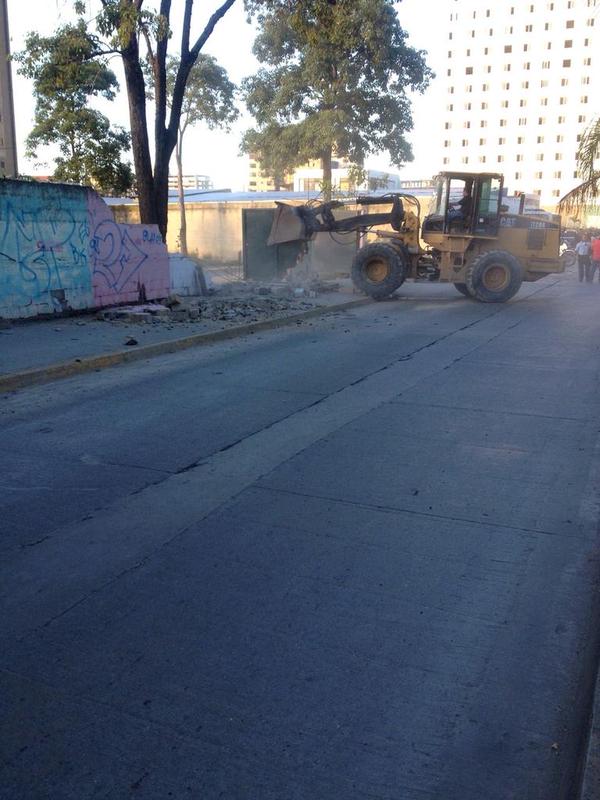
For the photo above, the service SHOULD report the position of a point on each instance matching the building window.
(508, 48)
(447, 125)
(584, 99)
(558, 156)
(556, 193)
(469, 71)
(467, 124)
(450, 107)
(527, 65)
(500, 159)
(558, 174)
(543, 84)
(501, 140)
(522, 120)
(465, 142)
(503, 123)
(562, 101)
(504, 104)
(570, 23)
(560, 138)
(528, 28)
(581, 118)
(545, 65)
(525, 85)
(564, 82)
(484, 106)
(540, 139)
(483, 123)
(482, 142)
(507, 68)
(539, 157)
(519, 157)
(566, 62)
(568, 43)
(539, 175)
(520, 139)
(541, 120)
(506, 86)
(523, 103)
(525, 48)
(544, 101)
(518, 176)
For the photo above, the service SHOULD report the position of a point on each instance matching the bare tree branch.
(210, 26)
(185, 33)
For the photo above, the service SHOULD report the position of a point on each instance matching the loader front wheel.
(462, 288)
(494, 277)
(379, 269)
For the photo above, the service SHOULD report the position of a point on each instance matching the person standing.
(583, 249)
(595, 257)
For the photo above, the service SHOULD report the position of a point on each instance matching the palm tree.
(587, 192)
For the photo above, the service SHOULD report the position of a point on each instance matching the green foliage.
(209, 94)
(66, 73)
(587, 193)
(335, 77)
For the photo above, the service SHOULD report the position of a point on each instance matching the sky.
(216, 153)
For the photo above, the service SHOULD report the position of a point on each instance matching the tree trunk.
(326, 165)
(140, 147)
(182, 220)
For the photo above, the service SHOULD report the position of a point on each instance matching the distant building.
(192, 182)
(522, 84)
(261, 181)
(309, 178)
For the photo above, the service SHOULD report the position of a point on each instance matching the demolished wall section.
(61, 250)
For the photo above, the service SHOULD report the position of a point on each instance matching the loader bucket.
(288, 226)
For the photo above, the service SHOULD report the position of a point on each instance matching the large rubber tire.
(462, 288)
(379, 269)
(494, 277)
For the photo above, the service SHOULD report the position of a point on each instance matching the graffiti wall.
(127, 262)
(61, 250)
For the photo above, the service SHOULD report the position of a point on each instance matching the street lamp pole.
(8, 139)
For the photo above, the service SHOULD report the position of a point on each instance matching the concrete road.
(356, 559)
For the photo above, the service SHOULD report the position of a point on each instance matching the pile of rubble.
(234, 302)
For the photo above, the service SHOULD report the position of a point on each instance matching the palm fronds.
(588, 191)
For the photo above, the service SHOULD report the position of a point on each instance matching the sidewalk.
(38, 351)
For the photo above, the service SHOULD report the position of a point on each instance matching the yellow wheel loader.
(472, 238)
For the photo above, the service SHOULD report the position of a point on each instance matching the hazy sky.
(217, 153)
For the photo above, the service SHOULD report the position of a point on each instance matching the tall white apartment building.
(523, 83)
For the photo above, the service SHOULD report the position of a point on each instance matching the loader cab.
(466, 204)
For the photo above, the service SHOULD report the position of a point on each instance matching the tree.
(209, 97)
(64, 79)
(335, 80)
(125, 24)
(587, 166)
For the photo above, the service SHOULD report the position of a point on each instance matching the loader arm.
(301, 223)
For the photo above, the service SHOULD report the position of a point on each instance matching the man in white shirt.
(583, 250)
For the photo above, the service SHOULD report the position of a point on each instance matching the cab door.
(486, 220)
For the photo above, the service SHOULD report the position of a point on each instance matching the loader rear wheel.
(462, 288)
(494, 277)
(379, 269)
